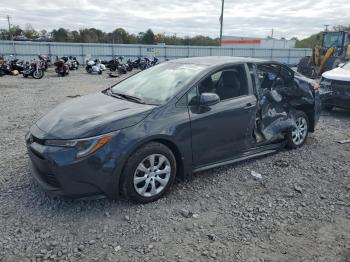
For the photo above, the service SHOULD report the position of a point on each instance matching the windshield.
(158, 84)
(333, 39)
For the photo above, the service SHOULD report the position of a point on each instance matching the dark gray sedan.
(169, 121)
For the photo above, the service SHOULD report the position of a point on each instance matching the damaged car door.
(220, 128)
(274, 115)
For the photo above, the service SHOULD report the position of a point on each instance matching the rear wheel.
(149, 173)
(297, 136)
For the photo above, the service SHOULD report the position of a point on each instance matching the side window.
(227, 83)
(273, 76)
(192, 96)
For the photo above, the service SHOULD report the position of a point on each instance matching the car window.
(227, 83)
(273, 76)
(160, 83)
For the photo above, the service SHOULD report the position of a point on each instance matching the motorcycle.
(44, 61)
(154, 61)
(74, 63)
(127, 66)
(34, 69)
(146, 63)
(2, 62)
(16, 65)
(62, 67)
(94, 67)
(136, 63)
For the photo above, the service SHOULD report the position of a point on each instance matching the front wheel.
(297, 136)
(38, 74)
(149, 173)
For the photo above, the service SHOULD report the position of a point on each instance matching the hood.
(338, 73)
(88, 116)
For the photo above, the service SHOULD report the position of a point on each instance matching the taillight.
(316, 87)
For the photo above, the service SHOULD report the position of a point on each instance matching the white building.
(253, 42)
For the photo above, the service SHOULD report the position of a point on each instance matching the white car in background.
(335, 87)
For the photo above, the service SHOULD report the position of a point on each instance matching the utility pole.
(8, 21)
(10, 34)
(221, 19)
(326, 29)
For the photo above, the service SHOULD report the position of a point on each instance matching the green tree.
(60, 35)
(148, 37)
(30, 32)
(310, 42)
(120, 36)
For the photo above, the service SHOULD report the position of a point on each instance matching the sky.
(254, 18)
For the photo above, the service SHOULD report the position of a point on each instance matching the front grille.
(46, 177)
(51, 180)
(341, 85)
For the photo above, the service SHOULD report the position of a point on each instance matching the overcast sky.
(241, 18)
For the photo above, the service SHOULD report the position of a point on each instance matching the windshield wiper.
(128, 97)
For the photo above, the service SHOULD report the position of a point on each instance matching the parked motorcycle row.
(63, 65)
(117, 66)
(35, 68)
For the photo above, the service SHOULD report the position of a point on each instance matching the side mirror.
(208, 99)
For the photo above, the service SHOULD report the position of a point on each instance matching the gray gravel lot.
(298, 211)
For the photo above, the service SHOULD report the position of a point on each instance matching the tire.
(301, 131)
(138, 181)
(88, 69)
(38, 74)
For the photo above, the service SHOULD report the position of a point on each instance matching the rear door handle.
(249, 105)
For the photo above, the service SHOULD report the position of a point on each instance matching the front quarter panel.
(167, 124)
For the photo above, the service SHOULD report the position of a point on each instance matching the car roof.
(217, 60)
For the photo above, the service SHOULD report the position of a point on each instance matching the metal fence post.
(49, 47)
(112, 46)
(82, 53)
(140, 51)
(289, 56)
(271, 56)
(188, 51)
(165, 54)
(231, 51)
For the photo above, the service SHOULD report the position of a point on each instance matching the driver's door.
(220, 131)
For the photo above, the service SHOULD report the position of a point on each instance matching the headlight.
(86, 146)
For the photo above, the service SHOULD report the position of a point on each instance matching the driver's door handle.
(249, 105)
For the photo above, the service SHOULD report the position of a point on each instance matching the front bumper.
(57, 171)
(335, 93)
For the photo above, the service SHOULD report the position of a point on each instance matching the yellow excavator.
(335, 50)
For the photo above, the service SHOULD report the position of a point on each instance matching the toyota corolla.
(182, 116)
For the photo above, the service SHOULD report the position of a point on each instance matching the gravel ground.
(298, 211)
